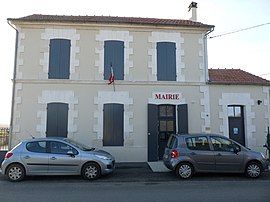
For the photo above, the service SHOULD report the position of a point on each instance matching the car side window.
(61, 148)
(198, 143)
(222, 144)
(36, 146)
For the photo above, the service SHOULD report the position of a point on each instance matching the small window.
(61, 148)
(234, 111)
(222, 144)
(37, 147)
(172, 142)
(198, 143)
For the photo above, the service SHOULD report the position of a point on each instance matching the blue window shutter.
(113, 125)
(59, 59)
(166, 61)
(64, 59)
(114, 55)
(54, 58)
(57, 120)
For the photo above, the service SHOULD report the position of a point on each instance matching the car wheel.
(253, 170)
(15, 172)
(91, 171)
(184, 170)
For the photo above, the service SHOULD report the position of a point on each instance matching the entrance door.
(236, 123)
(166, 119)
(57, 120)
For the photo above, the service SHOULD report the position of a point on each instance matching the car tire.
(15, 172)
(91, 171)
(253, 170)
(184, 170)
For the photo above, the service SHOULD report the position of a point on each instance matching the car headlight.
(263, 155)
(103, 157)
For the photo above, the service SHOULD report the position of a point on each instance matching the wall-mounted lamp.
(259, 102)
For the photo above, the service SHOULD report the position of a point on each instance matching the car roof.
(198, 134)
(44, 139)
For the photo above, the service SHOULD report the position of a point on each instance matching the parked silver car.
(56, 156)
(190, 153)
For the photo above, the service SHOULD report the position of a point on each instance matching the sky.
(248, 50)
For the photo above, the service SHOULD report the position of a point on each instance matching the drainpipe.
(205, 54)
(13, 87)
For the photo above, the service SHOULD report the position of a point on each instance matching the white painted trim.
(124, 36)
(205, 114)
(49, 96)
(52, 33)
(238, 99)
(121, 97)
(152, 52)
(17, 105)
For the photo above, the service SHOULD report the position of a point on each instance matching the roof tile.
(235, 76)
(109, 19)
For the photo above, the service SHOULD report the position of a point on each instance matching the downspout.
(205, 54)
(13, 87)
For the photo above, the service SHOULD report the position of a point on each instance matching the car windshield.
(79, 145)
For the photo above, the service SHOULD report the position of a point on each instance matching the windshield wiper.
(89, 149)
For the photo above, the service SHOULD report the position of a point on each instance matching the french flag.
(111, 77)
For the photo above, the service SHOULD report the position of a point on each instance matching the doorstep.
(158, 167)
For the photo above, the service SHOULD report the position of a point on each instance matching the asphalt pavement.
(136, 182)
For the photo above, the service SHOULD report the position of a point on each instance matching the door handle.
(53, 158)
(27, 157)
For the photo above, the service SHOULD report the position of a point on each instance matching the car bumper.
(170, 163)
(266, 165)
(108, 167)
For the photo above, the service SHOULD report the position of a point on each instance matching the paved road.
(129, 184)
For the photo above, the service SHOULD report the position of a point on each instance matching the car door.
(35, 157)
(198, 150)
(60, 162)
(226, 159)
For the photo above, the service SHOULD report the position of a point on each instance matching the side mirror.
(236, 150)
(70, 153)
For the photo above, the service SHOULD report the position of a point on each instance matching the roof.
(235, 76)
(110, 19)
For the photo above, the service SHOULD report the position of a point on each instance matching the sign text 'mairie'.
(167, 96)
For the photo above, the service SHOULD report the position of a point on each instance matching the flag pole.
(113, 77)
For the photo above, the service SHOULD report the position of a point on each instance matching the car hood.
(102, 152)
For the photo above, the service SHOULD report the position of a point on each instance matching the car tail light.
(174, 154)
(8, 155)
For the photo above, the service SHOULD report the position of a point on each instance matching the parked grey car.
(190, 153)
(56, 156)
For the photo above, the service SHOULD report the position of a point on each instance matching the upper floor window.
(59, 59)
(114, 59)
(166, 61)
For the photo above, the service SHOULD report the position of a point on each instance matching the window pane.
(38, 147)
(237, 111)
(222, 144)
(230, 111)
(61, 148)
(170, 126)
(170, 111)
(162, 126)
(162, 111)
(198, 143)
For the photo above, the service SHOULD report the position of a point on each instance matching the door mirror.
(236, 149)
(70, 153)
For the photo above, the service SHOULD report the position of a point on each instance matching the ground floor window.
(57, 120)
(113, 124)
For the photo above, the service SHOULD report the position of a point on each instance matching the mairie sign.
(166, 96)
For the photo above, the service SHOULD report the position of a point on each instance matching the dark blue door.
(57, 120)
(166, 61)
(152, 132)
(114, 56)
(59, 59)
